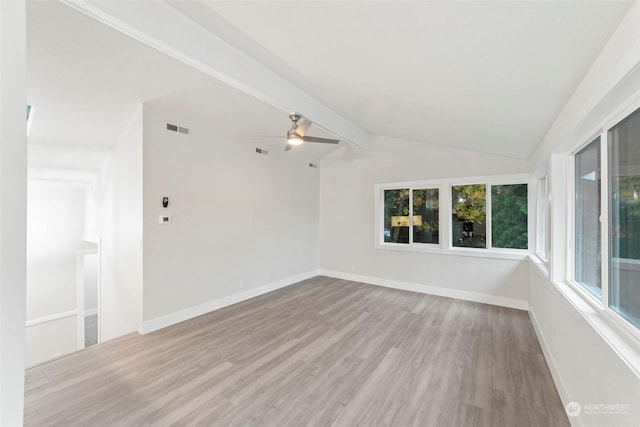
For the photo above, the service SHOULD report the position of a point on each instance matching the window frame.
(543, 218)
(445, 214)
(379, 220)
(572, 218)
(600, 305)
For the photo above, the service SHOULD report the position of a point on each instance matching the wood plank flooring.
(324, 352)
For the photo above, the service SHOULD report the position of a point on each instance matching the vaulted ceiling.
(479, 75)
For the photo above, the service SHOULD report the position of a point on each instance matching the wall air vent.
(176, 128)
(262, 151)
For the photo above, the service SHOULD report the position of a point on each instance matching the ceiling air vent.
(262, 151)
(176, 128)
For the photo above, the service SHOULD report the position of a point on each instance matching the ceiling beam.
(164, 28)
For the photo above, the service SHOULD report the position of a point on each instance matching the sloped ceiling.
(484, 76)
(85, 81)
(479, 75)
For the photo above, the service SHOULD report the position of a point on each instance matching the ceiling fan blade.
(321, 140)
(287, 148)
(302, 128)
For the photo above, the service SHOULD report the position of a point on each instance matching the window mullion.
(604, 217)
(489, 232)
(410, 216)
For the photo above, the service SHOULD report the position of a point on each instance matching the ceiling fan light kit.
(296, 135)
(293, 138)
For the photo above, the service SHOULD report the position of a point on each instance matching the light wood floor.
(325, 352)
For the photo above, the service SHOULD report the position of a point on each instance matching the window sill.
(467, 252)
(623, 342)
(542, 265)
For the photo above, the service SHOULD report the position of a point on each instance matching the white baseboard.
(198, 310)
(431, 290)
(555, 372)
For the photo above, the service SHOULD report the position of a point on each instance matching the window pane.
(426, 207)
(587, 218)
(509, 216)
(396, 216)
(469, 205)
(624, 218)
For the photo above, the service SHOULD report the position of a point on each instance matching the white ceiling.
(480, 75)
(486, 76)
(85, 81)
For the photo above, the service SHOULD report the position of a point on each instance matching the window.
(396, 216)
(542, 219)
(624, 218)
(507, 215)
(426, 211)
(469, 222)
(587, 241)
(487, 219)
(422, 224)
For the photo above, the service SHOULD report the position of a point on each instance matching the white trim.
(602, 304)
(80, 300)
(518, 178)
(198, 310)
(630, 106)
(163, 27)
(517, 254)
(91, 312)
(542, 218)
(444, 246)
(624, 344)
(430, 290)
(488, 216)
(541, 264)
(604, 218)
(52, 318)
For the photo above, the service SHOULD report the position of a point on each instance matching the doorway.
(88, 293)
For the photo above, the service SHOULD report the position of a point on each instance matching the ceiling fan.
(296, 135)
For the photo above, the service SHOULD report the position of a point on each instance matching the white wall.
(608, 83)
(55, 229)
(240, 220)
(91, 282)
(347, 215)
(13, 210)
(119, 198)
(45, 341)
(586, 369)
(591, 359)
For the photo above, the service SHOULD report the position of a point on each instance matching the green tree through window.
(509, 216)
(469, 207)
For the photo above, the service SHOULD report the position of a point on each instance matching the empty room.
(320, 213)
